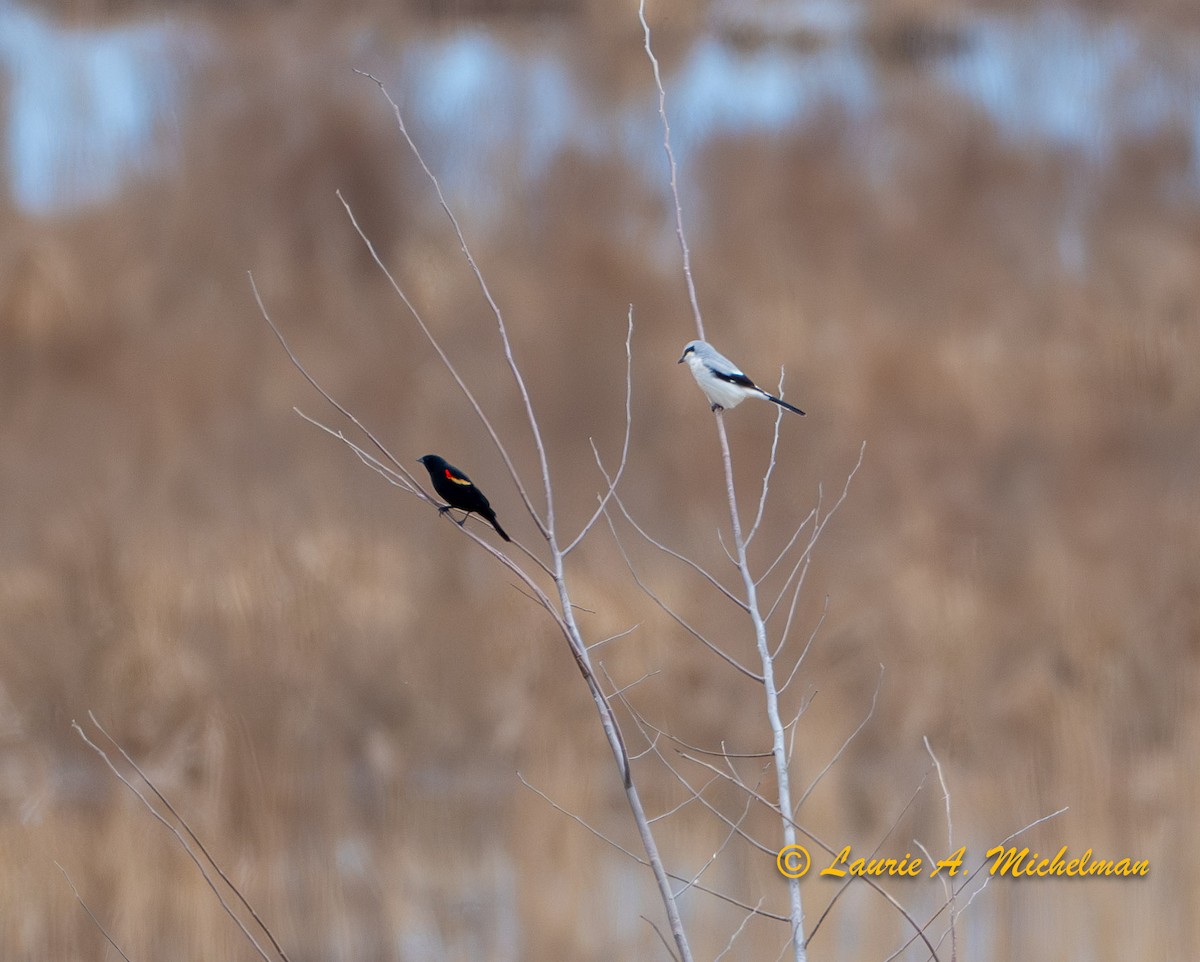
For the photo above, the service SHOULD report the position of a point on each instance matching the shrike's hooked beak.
(682, 359)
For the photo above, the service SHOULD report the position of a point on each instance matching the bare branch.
(182, 841)
(878, 845)
(685, 803)
(571, 815)
(673, 614)
(967, 881)
(662, 113)
(846, 744)
(541, 523)
(811, 638)
(948, 888)
(91, 914)
(697, 795)
(616, 637)
(738, 931)
(800, 568)
(548, 526)
(641, 861)
(665, 944)
(620, 692)
(612, 482)
(791, 541)
(766, 481)
(820, 521)
(393, 477)
(945, 791)
(794, 725)
(778, 743)
(734, 826)
(704, 573)
(724, 547)
(341, 409)
(829, 850)
(703, 751)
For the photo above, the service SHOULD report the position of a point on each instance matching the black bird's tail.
(491, 516)
(781, 402)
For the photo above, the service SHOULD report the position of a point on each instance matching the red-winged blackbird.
(457, 491)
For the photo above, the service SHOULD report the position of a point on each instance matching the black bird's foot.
(443, 508)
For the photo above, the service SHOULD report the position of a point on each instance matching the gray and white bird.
(722, 381)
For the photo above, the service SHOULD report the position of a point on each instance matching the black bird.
(457, 491)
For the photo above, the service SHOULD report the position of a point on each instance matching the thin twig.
(738, 931)
(192, 835)
(641, 861)
(182, 841)
(542, 524)
(878, 845)
(612, 482)
(662, 113)
(829, 850)
(341, 409)
(846, 744)
(967, 881)
(92, 915)
(811, 638)
(675, 616)
(949, 889)
(665, 944)
(620, 634)
(704, 573)
(548, 525)
(766, 482)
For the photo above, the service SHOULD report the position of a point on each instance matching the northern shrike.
(721, 380)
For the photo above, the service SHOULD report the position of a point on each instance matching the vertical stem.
(778, 743)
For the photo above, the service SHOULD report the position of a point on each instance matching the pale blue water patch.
(489, 108)
(87, 109)
(1059, 79)
(486, 107)
(726, 92)
(722, 91)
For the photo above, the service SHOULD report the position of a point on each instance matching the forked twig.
(967, 881)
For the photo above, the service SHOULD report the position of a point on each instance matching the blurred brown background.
(970, 233)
